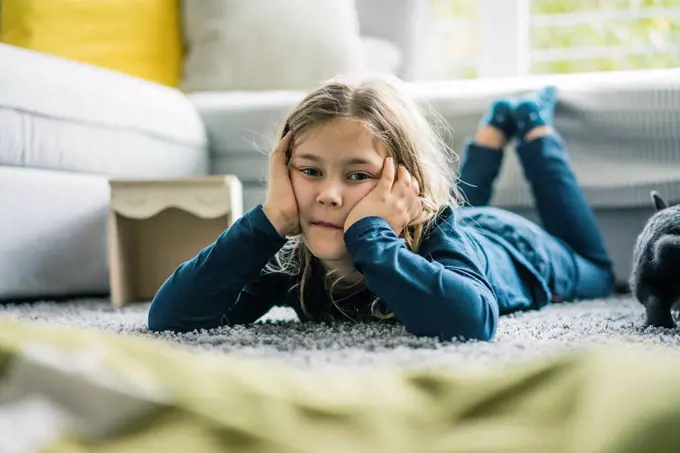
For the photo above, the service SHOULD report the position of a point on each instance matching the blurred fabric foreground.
(72, 390)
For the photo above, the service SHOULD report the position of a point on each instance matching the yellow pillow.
(138, 37)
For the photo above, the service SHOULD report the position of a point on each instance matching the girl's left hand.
(395, 201)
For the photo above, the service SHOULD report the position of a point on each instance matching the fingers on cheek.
(416, 205)
(411, 201)
(402, 173)
(404, 205)
(389, 169)
(408, 178)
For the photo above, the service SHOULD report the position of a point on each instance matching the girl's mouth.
(327, 225)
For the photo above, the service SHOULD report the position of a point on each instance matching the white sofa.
(65, 128)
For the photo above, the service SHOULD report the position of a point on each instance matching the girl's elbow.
(155, 325)
(478, 324)
(160, 321)
(166, 314)
(169, 315)
(482, 321)
(156, 320)
(169, 309)
(473, 330)
(482, 330)
(483, 324)
(469, 329)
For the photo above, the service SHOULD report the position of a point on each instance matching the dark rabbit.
(655, 280)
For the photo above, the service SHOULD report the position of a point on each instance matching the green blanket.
(69, 391)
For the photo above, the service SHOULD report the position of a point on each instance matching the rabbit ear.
(659, 203)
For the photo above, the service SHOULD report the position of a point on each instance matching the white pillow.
(381, 55)
(269, 44)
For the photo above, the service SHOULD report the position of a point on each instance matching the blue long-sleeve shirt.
(456, 286)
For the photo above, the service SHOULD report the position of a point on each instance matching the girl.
(362, 222)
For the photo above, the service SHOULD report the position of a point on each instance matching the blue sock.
(500, 116)
(535, 109)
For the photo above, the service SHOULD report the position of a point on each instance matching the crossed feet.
(526, 119)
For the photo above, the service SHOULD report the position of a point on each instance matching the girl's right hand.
(281, 206)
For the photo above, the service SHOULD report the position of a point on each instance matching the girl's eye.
(360, 176)
(310, 171)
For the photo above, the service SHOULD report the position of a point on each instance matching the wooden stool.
(156, 225)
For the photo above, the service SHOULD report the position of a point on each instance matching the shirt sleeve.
(225, 283)
(445, 295)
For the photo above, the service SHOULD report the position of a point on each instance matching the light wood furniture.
(155, 225)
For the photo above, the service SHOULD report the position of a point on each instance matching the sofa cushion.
(621, 131)
(65, 115)
(141, 38)
(268, 45)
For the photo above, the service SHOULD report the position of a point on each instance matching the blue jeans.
(572, 232)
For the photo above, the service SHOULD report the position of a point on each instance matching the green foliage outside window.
(575, 6)
(658, 37)
(460, 9)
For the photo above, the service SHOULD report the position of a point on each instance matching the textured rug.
(279, 336)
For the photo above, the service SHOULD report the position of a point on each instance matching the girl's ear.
(659, 202)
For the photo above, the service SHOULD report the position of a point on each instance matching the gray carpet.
(279, 336)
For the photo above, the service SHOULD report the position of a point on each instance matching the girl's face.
(333, 166)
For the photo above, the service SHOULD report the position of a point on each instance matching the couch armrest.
(65, 115)
(65, 88)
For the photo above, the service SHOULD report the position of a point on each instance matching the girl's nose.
(330, 196)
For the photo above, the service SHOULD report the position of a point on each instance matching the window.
(453, 39)
(486, 38)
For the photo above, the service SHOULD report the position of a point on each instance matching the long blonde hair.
(409, 135)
